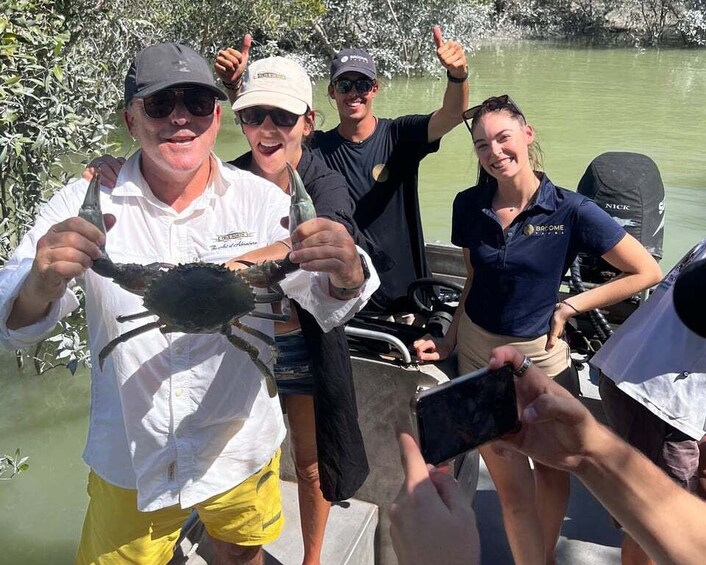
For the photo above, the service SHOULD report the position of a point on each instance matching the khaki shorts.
(475, 345)
(115, 532)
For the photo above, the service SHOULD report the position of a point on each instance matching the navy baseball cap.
(166, 65)
(353, 61)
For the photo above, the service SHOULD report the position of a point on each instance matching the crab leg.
(108, 349)
(131, 317)
(254, 353)
(260, 335)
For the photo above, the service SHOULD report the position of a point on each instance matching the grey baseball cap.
(353, 61)
(166, 65)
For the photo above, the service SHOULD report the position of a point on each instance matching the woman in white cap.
(273, 105)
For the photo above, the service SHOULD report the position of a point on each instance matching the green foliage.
(12, 465)
(54, 103)
(56, 111)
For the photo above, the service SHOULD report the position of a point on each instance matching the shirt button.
(178, 392)
(178, 350)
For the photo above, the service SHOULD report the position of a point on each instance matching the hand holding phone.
(460, 415)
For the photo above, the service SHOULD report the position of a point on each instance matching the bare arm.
(430, 348)
(276, 250)
(639, 271)
(557, 430)
(453, 59)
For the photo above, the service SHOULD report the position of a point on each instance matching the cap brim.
(172, 84)
(690, 298)
(268, 98)
(353, 69)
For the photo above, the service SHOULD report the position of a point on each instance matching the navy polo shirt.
(517, 274)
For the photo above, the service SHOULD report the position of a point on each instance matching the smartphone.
(457, 416)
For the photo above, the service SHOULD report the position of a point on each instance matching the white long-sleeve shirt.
(179, 417)
(659, 362)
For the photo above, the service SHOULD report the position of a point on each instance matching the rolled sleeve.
(311, 291)
(11, 280)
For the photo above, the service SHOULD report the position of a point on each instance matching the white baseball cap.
(278, 82)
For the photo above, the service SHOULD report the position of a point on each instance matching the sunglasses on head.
(492, 104)
(361, 85)
(199, 101)
(255, 115)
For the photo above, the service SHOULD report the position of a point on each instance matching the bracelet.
(452, 78)
(570, 306)
(284, 242)
(232, 85)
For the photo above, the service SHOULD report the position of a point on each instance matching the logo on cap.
(270, 74)
(181, 66)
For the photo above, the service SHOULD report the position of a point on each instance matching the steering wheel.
(414, 293)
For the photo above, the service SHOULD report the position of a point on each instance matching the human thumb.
(109, 221)
(438, 36)
(245, 48)
(447, 487)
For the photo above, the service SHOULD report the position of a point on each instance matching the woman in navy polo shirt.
(519, 235)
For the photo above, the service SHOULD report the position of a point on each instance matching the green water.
(581, 101)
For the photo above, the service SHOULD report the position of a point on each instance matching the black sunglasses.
(361, 85)
(255, 115)
(199, 101)
(492, 104)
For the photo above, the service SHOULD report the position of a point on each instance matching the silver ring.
(522, 369)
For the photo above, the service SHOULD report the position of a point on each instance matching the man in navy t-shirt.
(380, 159)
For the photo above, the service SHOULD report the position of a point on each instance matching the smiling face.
(175, 147)
(274, 146)
(353, 105)
(502, 142)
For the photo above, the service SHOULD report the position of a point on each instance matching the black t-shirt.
(382, 174)
(327, 188)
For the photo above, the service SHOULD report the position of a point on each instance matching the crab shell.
(199, 297)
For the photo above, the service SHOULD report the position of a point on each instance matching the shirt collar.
(545, 197)
(131, 183)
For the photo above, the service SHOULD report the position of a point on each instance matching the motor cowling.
(628, 186)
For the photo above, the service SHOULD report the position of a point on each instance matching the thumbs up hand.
(451, 55)
(231, 63)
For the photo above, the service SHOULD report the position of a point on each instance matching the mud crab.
(201, 297)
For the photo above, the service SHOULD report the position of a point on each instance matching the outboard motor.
(629, 187)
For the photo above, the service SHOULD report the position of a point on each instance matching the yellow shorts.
(115, 532)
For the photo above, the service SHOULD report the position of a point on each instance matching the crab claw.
(91, 207)
(302, 207)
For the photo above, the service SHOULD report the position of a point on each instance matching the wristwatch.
(351, 292)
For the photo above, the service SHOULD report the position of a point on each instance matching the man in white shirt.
(178, 421)
(653, 387)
